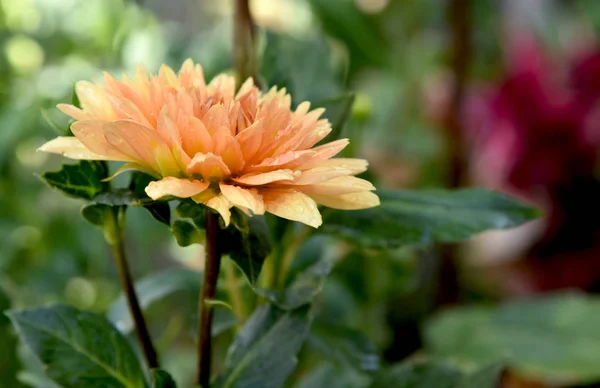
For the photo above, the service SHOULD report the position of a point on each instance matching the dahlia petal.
(134, 140)
(337, 186)
(73, 111)
(228, 149)
(351, 201)
(167, 129)
(289, 160)
(209, 165)
(257, 179)
(243, 198)
(317, 133)
(321, 174)
(91, 134)
(329, 150)
(94, 101)
(73, 148)
(194, 136)
(130, 167)
(292, 205)
(181, 188)
(356, 166)
(249, 140)
(222, 206)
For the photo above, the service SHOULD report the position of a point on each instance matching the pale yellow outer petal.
(292, 205)
(73, 111)
(91, 134)
(209, 165)
(356, 166)
(352, 201)
(73, 148)
(257, 179)
(243, 198)
(337, 186)
(321, 174)
(222, 206)
(181, 188)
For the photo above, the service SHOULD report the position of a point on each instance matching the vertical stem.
(209, 289)
(233, 289)
(246, 63)
(118, 247)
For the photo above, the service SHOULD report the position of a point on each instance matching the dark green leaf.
(160, 210)
(303, 289)
(425, 216)
(549, 338)
(98, 214)
(79, 349)
(264, 351)
(346, 346)
(418, 375)
(81, 180)
(162, 379)
(190, 209)
(187, 233)
(75, 98)
(247, 242)
(285, 63)
(9, 362)
(487, 377)
(330, 376)
(337, 111)
(151, 289)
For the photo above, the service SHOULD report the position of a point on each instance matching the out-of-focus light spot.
(81, 292)
(289, 16)
(27, 155)
(144, 47)
(191, 256)
(363, 106)
(21, 15)
(25, 236)
(372, 6)
(24, 54)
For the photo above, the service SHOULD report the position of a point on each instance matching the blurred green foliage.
(369, 69)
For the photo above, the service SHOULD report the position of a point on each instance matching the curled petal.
(209, 165)
(337, 186)
(292, 205)
(181, 188)
(243, 198)
(73, 148)
(352, 201)
(222, 205)
(257, 179)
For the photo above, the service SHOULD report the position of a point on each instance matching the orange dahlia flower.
(221, 148)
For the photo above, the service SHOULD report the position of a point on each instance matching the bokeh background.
(448, 93)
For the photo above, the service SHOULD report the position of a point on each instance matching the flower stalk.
(246, 63)
(209, 289)
(114, 236)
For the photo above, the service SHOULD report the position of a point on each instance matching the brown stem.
(209, 289)
(246, 63)
(118, 247)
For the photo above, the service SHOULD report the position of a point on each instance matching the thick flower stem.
(115, 239)
(209, 289)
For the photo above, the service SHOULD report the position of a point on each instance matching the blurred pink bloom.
(221, 148)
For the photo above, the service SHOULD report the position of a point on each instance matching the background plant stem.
(233, 289)
(209, 289)
(117, 245)
(246, 62)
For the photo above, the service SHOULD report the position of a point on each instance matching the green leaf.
(75, 98)
(158, 209)
(346, 346)
(327, 375)
(303, 289)
(151, 289)
(190, 209)
(551, 339)
(337, 111)
(487, 377)
(187, 233)
(81, 180)
(299, 65)
(425, 216)
(247, 242)
(79, 349)
(9, 361)
(162, 379)
(263, 354)
(418, 375)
